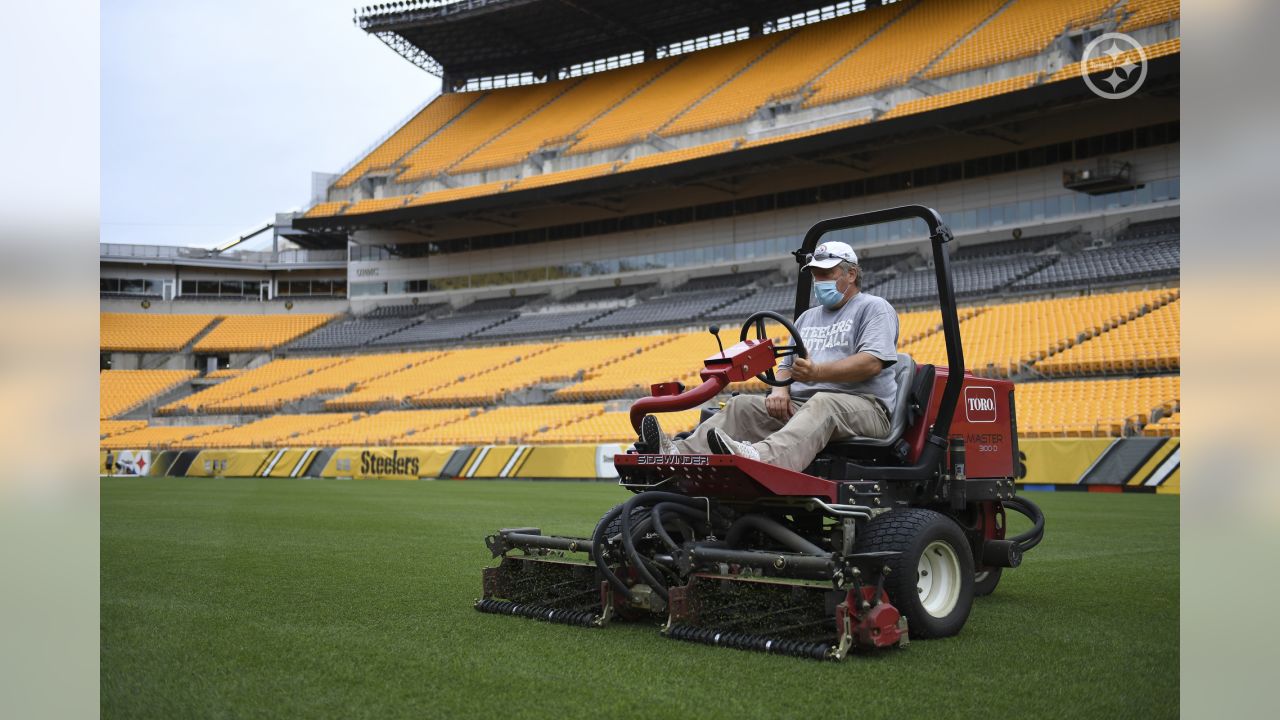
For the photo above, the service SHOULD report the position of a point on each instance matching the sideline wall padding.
(398, 463)
(1121, 460)
(1162, 467)
(182, 463)
(1101, 464)
(282, 463)
(126, 463)
(1059, 461)
(229, 463)
(162, 463)
(1117, 464)
(559, 461)
(457, 462)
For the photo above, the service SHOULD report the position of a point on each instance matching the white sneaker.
(654, 439)
(722, 444)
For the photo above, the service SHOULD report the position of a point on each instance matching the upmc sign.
(980, 404)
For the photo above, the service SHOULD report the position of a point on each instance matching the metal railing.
(289, 257)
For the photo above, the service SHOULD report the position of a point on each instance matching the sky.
(214, 114)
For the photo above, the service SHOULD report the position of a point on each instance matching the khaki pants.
(794, 444)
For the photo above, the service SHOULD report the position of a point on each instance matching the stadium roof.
(489, 38)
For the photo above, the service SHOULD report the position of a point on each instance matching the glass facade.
(129, 286)
(238, 289)
(304, 288)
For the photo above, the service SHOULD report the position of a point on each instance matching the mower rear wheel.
(985, 582)
(614, 527)
(931, 581)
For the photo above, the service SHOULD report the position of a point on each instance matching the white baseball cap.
(831, 254)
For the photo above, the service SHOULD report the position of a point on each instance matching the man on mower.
(844, 389)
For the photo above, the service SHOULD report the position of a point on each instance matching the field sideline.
(301, 598)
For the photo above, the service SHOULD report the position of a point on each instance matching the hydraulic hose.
(664, 507)
(1032, 537)
(628, 543)
(598, 542)
(774, 529)
(632, 556)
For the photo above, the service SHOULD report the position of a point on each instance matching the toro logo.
(980, 404)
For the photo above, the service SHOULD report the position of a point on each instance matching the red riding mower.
(878, 535)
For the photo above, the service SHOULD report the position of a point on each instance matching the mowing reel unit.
(877, 537)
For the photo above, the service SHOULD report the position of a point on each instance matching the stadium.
(484, 293)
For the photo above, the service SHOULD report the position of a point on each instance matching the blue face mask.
(827, 293)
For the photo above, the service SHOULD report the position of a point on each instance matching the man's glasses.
(820, 256)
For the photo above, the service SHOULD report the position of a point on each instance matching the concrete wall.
(223, 307)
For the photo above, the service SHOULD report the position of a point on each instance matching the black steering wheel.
(779, 351)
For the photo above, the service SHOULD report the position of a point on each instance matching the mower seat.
(905, 408)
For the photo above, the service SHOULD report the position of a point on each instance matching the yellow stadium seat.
(1144, 13)
(509, 425)
(555, 123)
(326, 209)
(369, 205)
(415, 385)
(132, 332)
(614, 427)
(272, 431)
(652, 106)
(250, 381)
(805, 133)
(782, 73)
(428, 121)
(947, 99)
(1104, 62)
(1023, 28)
(391, 427)
(240, 333)
(681, 155)
(460, 193)
(1004, 339)
(563, 361)
(107, 428)
(1150, 343)
(343, 375)
(483, 120)
(903, 48)
(678, 359)
(159, 437)
(563, 176)
(1091, 408)
(1167, 426)
(120, 391)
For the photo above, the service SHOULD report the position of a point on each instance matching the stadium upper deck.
(535, 38)
(844, 74)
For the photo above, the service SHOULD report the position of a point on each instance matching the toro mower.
(878, 539)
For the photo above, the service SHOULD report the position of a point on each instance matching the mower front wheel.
(931, 581)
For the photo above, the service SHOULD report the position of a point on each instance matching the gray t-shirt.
(867, 323)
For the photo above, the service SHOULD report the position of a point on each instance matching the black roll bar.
(939, 235)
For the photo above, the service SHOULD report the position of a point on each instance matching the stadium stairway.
(924, 71)
(569, 86)
(190, 347)
(147, 410)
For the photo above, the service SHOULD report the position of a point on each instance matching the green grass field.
(300, 598)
